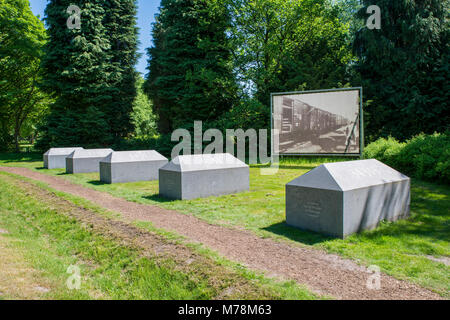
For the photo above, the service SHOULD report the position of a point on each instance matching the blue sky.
(146, 16)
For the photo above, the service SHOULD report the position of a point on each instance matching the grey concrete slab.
(86, 160)
(131, 166)
(55, 158)
(342, 198)
(201, 176)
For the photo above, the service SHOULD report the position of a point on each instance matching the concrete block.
(339, 199)
(55, 158)
(131, 166)
(86, 160)
(201, 176)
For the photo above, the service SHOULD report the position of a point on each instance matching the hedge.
(424, 157)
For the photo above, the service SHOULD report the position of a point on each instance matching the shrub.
(424, 156)
(162, 144)
(247, 114)
(6, 141)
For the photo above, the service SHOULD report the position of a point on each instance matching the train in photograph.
(300, 117)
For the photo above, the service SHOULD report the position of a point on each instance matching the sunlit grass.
(400, 249)
(110, 269)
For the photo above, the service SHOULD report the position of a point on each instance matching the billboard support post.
(361, 119)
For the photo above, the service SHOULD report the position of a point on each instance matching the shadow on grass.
(298, 235)
(285, 166)
(158, 198)
(297, 167)
(430, 208)
(98, 183)
(63, 174)
(20, 157)
(429, 216)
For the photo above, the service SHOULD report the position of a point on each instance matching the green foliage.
(190, 65)
(91, 72)
(162, 143)
(71, 128)
(22, 104)
(289, 45)
(143, 118)
(6, 138)
(404, 68)
(216, 61)
(277, 46)
(347, 11)
(247, 114)
(122, 33)
(424, 156)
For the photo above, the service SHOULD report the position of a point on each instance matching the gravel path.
(321, 272)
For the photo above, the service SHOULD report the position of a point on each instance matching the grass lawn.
(39, 242)
(406, 249)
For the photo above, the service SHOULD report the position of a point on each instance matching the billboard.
(322, 122)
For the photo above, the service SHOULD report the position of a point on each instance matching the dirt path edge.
(323, 273)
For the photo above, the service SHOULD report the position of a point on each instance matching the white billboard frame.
(361, 121)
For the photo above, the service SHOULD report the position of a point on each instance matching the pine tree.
(404, 68)
(122, 33)
(190, 70)
(90, 72)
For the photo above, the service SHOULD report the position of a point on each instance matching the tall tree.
(76, 71)
(404, 68)
(22, 36)
(287, 45)
(122, 33)
(190, 65)
(90, 72)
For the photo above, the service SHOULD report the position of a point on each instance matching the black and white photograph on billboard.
(317, 122)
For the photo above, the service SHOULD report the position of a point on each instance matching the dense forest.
(215, 61)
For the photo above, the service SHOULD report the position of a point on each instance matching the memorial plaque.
(201, 176)
(55, 158)
(131, 166)
(86, 160)
(342, 198)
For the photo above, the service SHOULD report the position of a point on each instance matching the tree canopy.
(216, 61)
(191, 72)
(22, 37)
(289, 45)
(91, 72)
(404, 68)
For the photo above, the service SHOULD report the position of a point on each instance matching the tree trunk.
(16, 139)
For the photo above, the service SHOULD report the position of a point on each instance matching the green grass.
(400, 249)
(29, 160)
(51, 242)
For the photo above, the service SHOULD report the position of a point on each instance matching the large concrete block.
(55, 158)
(201, 176)
(339, 199)
(86, 160)
(131, 166)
